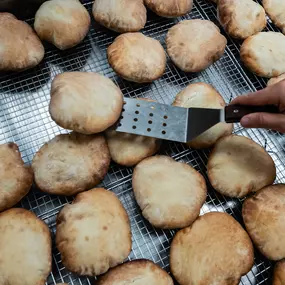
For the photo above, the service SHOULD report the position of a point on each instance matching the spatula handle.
(234, 113)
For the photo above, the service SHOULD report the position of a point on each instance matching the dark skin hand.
(272, 95)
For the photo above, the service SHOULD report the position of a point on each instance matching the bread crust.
(275, 80)
(275, 9)
(238, 166)
(20, 47)
(71, 163)
(193, 45)
(263, 216)
(279, 273)
(93, 233)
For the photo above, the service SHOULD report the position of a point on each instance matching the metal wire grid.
(24, 119)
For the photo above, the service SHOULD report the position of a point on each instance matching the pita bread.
(193, 45)
(137, 58)
(275, 80)
(168, 199)
(93, 233)
(121, 15)
(64, 23)
(25, 246)
(214, 250)
(202, 95)
(275, 9)
(71, 163)
(241, 18)
(170, 8)
(279, 273)
(136, 272)
(20, 47)
(238, 166)
(264, 54)
(263, 215)
(16, 178)
(85, 102)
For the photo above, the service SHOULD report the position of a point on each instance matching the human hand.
(272, 95)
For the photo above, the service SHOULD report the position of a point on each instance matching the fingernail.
(245, 121)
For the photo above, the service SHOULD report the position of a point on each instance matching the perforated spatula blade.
(176, 123)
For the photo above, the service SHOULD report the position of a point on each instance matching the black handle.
(234, 113)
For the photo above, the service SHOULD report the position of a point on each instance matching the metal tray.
(24, 119)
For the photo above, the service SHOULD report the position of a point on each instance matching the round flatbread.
(20, 46)
(238, 166)
(62, 23)
(279, 273)
(263, 54)
(170, 8)
(136, 272)
(93, 233)
(275, 9)
(169, 193)
(202, 95)
(16, 178)
(25, 246)
(263, 215)
(275, 80)
(137, 58)
(193, 45)
(214, 250)
(85, 102)
(242, 18)
(120, 16)
(71, 163)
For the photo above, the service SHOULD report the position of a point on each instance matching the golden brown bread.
(136, 272)
(203, 95)
(193, 45)
(20, 47)
(275, 80)
(71, 163)
(85, 102)
(263, 215)
(214, 250)
(25, 246)
(238, 166)
(169, 8)
(279, 273)
(275, 9)
(136, 57)
(64, 23)
(93, 233)
(16, 178)
(121, 15)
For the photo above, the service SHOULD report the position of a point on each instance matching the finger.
(267, 96)
(264, 120)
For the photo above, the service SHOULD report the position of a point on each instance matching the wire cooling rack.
(24, 119)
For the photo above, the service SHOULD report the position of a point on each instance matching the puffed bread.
(275, 9)
(238, 166)
(25, 246)
(85, 102)
(170, 8)
(136, 57)
(93, 233)
(64, 23)
(16, 178)
(241, 18)
(136, 272)
(263, 215)
(275, 80)
(264, 54)
(20, 47)
(121, 15)
(279, 273)
(169, 193)
(203, 95)
(71, 163)
(193, 45)
(214, 250)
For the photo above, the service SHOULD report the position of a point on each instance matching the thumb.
(264, 120)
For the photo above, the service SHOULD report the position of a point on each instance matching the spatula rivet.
(165, 117)
(148, 129)
(164, 124)
(134, 127)
(163, 132)
(236, 111)
(138, 105)
(150, 122)
(151, 114)
(135, 119)
(137, 112)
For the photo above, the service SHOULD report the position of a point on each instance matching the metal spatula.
(175, 123)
